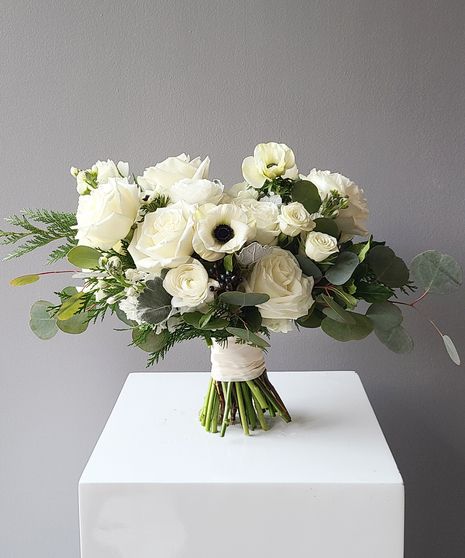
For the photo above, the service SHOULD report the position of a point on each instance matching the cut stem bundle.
(247, 401)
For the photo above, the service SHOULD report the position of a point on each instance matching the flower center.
(223, 233)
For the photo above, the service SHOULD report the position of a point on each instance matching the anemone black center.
(223, 233)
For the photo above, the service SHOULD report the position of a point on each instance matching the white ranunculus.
(163, 175)
(189, 285)
(241, 190)
(269, 161)
(219, 230)
(278, 326)
(351, 221)
(319, 246)
(278, 275)
(196, 191)
(106, 215)
(294, 219)
(100, 173)
(163, 239)
(263, 218)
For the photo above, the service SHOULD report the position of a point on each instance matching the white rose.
(263, 218)
(278, 274)
(189, 285)
(241, 190)
(269, 161)
(107, 213)
(319, 246)
(294, 219)
(196, 191)
(219, 230)
(351, 221)
(163, 175)
(163, 239)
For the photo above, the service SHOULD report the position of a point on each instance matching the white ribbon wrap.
(236, 362)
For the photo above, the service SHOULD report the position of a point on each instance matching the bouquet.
(176, 256)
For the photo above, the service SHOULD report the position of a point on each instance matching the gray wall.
(369, 87)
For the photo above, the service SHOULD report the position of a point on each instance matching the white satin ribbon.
(236, 362)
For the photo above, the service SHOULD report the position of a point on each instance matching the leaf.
(237, 298)
(248, 336)
(75, 325)
(388, 268)
(385, 315)
(84, 257)
(151, 342)
(70, 306)
(312, 319)
(346, 298)
(154, 302)
(451, 350)
(361, 249)
(327, 226)
(435, 272)
(346, 331)
(252, 253)
(121, 315)
(251, 315)
(309, 267)
(306, 193)
(41, 323)
(24, 280)
(335, 311)
(396, 339)
(228, 262)
(342, 270)
(195, 320)
(373, 292)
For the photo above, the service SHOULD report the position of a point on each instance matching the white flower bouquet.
(175, 256)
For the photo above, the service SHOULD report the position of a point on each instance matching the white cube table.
(324, 486)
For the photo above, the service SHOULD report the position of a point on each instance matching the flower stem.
(242, 412)
(227, 405)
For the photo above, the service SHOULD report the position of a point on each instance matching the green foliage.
(332, 204)
(58, 227)
(252, 317)
(306, 193)
(327, 226)
(384, 315)
(75, 324)
(198, 321)
(373, 292)
(148, 340)
(343, 267)
(155, 302)
(436, 273)
(237, 298)
(345, 331)
(388, 268)
(248, 336)
(157, 203)
(41, 322)
(396, 339)
(24, 280)
(451, 350)
(71, 306)
(84, 257)
(309, 267)
(313, 319)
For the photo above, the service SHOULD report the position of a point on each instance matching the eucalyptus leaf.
(248, 336)
(41, 323)
(150, 342)
(327, 226)
(384, 315)
(75, 325)
(336, 312)
(238, 298)
(154, 302)
(24, 280)
(195, 319)
(307, 194)
(396, 339)
(346, 331)
(251, 315)
(435, 272)
(451, 350)
(312, 319)
(349, 300)
(388, 268)
(121, 315)
(309, 267)
(373, 292)
(343, 267)
(71, 306)
(84, 257)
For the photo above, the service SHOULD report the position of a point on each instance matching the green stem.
(260, 415)
(203, 411)
(211, 397)
(249, 405)
(216, 408)
(257, 394)
(242, 412)
(227, 404)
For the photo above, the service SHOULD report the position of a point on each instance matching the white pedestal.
(324, 486)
